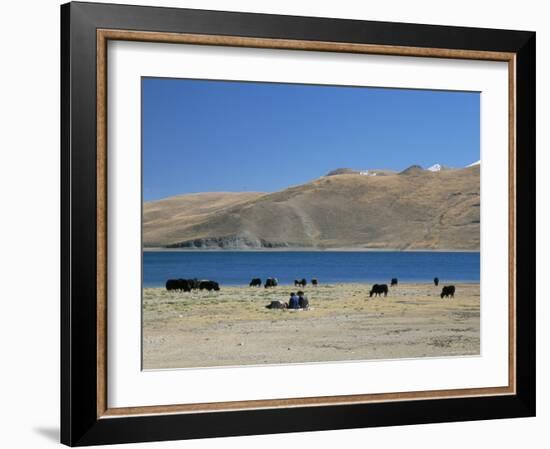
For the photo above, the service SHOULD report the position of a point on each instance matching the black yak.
(184, 285)
(271, 282)
(314, 282)
(256, 282)
(448, 291)
(378, 290)
(393, 282)
(209, 285)
(300, 282)
(172, 284)
(178, 284)
(436, 281)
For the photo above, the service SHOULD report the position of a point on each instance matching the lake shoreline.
(305, 249)
(369, 283)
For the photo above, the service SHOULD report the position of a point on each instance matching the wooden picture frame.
(85, 416)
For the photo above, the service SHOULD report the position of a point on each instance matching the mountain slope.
(416, 209)
(165, 221)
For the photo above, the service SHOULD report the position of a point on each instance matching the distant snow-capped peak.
(474, 164)
(435, 167)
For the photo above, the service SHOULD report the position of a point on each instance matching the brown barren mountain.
(415, 209)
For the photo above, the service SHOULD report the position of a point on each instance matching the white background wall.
(29, 223)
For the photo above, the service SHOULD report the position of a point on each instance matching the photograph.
(302, 223)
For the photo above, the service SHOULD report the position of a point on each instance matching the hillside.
(415, 209)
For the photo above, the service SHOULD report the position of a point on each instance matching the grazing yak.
(300, 282)
(271, 282)
(256, 282)
(277, 305)
(209, 285)
(448, 291)
(186, 285)
(172, 284)
(436, 281)
(314, 282)
(178, 284)
(393, 282)
(378, 290)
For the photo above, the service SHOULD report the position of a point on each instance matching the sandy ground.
(233, 327)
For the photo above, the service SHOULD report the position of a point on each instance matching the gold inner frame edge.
(104, 35)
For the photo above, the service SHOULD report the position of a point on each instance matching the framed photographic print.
(280, 224)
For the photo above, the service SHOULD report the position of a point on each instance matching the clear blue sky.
(207, 136)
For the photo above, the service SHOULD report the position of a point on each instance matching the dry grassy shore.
(233, 327)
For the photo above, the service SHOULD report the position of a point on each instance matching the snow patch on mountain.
(435, 167)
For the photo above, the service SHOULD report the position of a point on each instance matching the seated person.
(302, 300)
(293, 303)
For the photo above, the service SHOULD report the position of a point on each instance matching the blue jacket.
(293, 303)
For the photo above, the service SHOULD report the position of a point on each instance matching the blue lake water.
(238, 267)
